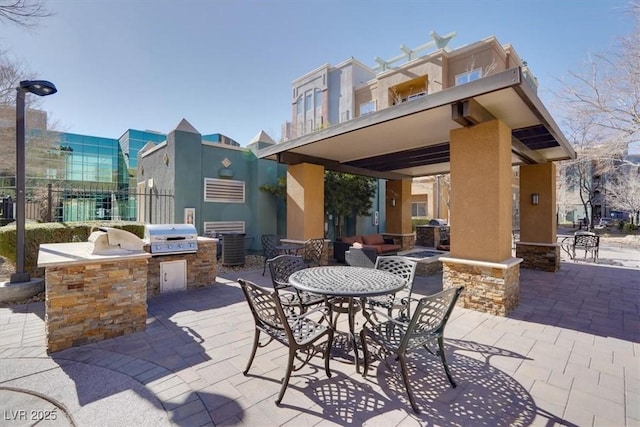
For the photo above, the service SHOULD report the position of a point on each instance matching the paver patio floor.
(568, 355)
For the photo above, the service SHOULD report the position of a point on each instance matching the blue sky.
(227, 66)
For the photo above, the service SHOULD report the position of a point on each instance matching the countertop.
(76, 253)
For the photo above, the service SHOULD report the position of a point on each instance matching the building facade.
(330, 95)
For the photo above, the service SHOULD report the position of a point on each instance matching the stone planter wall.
(490, 288)
(406, 241)
(95, 301)
(428, 268)
(431, 235)
(537, 256)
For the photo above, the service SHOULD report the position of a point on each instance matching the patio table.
(347, 282)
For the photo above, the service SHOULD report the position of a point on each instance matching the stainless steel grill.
(165, 239)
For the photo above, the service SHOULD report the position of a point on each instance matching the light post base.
(19, 278)
(16, 292)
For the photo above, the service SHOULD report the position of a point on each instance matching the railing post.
(151, 206)
(49, 202)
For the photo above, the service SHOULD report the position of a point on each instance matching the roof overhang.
(412, 139)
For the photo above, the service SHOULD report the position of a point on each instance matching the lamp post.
(40, 88)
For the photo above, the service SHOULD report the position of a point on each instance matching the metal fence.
(54, 204)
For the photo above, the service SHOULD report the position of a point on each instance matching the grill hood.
(113, 241)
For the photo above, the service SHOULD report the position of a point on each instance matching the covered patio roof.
(412, 139)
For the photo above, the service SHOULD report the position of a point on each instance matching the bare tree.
(605, 92)
(25, 13)
(41, 146)
(624, 194)
(600, 103)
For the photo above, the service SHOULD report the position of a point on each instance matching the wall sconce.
(393, 202)
(535, 199)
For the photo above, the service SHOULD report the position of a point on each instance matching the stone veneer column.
(91, 302)
(480, 238)
(305, 201)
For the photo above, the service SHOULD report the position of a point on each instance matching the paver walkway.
(568, 355)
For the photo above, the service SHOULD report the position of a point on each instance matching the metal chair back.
(281, 267)
(400, 336)
(270, 319)
(400, 266)
(312, 251)
(269, 243)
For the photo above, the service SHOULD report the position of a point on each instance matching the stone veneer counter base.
(92, 297)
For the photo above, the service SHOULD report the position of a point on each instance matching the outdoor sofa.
(374, 242)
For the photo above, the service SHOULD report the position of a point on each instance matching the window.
(307, 102)
(468, 76)
(299, 105)
(419, 209)
(317, 98)
(223, 190)
(367, 107)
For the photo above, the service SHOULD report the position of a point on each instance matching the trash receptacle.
(233, 248)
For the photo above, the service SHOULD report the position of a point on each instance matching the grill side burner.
(165, 239)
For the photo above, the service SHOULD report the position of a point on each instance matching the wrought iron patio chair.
(589, 243)
(269, 243)
(281, 267)
(312, 252)
(400, 266)
(300, 333)
(401, 336)
(582, 241)
(356, 257)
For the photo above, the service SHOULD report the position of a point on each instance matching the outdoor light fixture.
(393, 202)
(535, 199)
(40, 88)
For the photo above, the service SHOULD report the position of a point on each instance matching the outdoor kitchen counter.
(92, 297)
(76, 253)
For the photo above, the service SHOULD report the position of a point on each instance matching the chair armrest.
(324, 313)
(374, 316)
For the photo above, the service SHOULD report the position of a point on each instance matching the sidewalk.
(568, 355)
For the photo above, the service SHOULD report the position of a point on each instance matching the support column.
(398, 213)
(480, 203)
(305, 201)
(538, 224)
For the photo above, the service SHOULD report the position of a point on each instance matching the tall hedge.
(53, 232)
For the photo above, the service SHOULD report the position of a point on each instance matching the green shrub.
(52, 232)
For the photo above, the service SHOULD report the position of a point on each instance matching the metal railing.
(55, 204)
